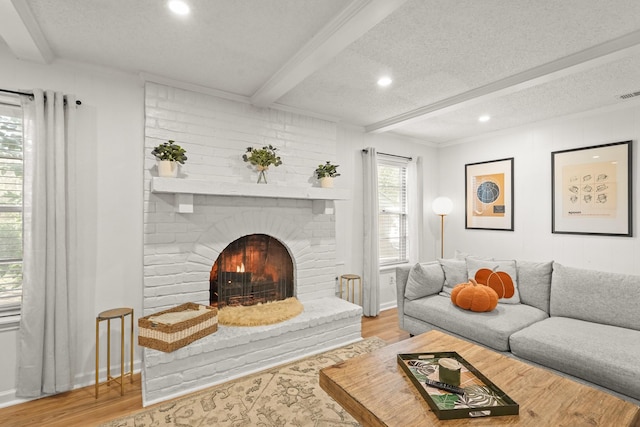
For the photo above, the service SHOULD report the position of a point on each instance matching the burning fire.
(240, 268)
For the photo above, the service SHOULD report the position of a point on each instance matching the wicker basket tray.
(170, 337)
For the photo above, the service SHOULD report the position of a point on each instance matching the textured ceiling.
(517, 60)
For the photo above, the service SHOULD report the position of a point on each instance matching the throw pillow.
(501, 275)
(474, 297)
(534, 283)
(455, 272)
(424, 279)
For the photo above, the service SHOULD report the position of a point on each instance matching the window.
(392, 217)
(11, 167)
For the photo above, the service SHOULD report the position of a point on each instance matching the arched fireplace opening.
(253, 269)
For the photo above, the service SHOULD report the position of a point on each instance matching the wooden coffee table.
(376, 392)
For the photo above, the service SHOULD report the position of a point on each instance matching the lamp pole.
(442, 235)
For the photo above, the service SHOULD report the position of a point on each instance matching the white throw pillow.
(455, 272)
(424, 279)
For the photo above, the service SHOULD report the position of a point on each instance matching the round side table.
(350, 281)
(108, 315)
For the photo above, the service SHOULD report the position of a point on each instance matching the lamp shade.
(442, 206)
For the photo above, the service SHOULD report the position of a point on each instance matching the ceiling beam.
(349, 25)
(21, 32)
(603, 53)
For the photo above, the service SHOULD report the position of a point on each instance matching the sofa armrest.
(402, 274)
(427, 279)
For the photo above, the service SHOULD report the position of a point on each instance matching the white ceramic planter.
(326, 182)
(167, 168)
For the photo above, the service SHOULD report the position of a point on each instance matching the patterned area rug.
(288, 395)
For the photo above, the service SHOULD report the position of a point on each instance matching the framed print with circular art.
(489, 195)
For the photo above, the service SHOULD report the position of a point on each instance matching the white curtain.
(46, 340)
(415, 208)
(371, 271)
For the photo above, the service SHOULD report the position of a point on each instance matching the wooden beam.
(21, 32)
(603, 53)
(349, 25)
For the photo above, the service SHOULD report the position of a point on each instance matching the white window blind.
(11, 167)
(392, 217)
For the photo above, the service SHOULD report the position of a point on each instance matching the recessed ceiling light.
(484, 118)
(179, 7)
(384, 81)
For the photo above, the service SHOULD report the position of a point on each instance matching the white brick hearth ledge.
(184, 189)
(233, 351)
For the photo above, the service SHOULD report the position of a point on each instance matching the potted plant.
(325, 173)
(169, 154)
(262, 158)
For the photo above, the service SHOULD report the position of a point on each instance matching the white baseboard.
(8, 397)
(388, 305)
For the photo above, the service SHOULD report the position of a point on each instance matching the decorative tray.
(481, 397)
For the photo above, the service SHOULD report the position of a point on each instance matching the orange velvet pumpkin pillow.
(474, 297)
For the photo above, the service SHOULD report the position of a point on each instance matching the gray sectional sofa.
(580, 323)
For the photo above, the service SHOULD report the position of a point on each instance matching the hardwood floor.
(80, 408)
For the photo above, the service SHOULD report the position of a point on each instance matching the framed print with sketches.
(489, 195)
(591, 190)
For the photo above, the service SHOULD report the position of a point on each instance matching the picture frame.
(591, 190)
(489, 195)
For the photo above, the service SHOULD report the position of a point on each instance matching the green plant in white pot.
(325, 173)
(262, 158)
(169, 154)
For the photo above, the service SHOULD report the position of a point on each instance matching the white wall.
(531, 148)
(110, 139)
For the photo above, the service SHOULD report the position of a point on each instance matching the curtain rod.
(364, 150)
(78, 102)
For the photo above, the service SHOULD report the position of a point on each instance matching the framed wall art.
(489, 195)
(591, 190)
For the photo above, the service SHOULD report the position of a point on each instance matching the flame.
(240, 268)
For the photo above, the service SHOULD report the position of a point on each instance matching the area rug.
(288, 395)
(260, 314)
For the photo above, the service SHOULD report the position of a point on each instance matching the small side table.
(108, 315)
(350, 281)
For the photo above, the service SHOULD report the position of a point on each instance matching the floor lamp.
(442, 206)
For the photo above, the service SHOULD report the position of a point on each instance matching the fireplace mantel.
(184, 189)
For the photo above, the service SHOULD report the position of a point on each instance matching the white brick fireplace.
(191, 219)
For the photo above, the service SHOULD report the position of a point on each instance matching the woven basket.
(167, 338)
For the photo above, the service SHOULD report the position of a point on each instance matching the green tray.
(482, 397)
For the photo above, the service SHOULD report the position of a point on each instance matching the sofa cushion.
(491, 329)
(506, 266)
(534, 283)
(595, 296)
(603, 354)
(424, 279)
(455, 272)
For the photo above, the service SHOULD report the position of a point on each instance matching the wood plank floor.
(80, 408)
